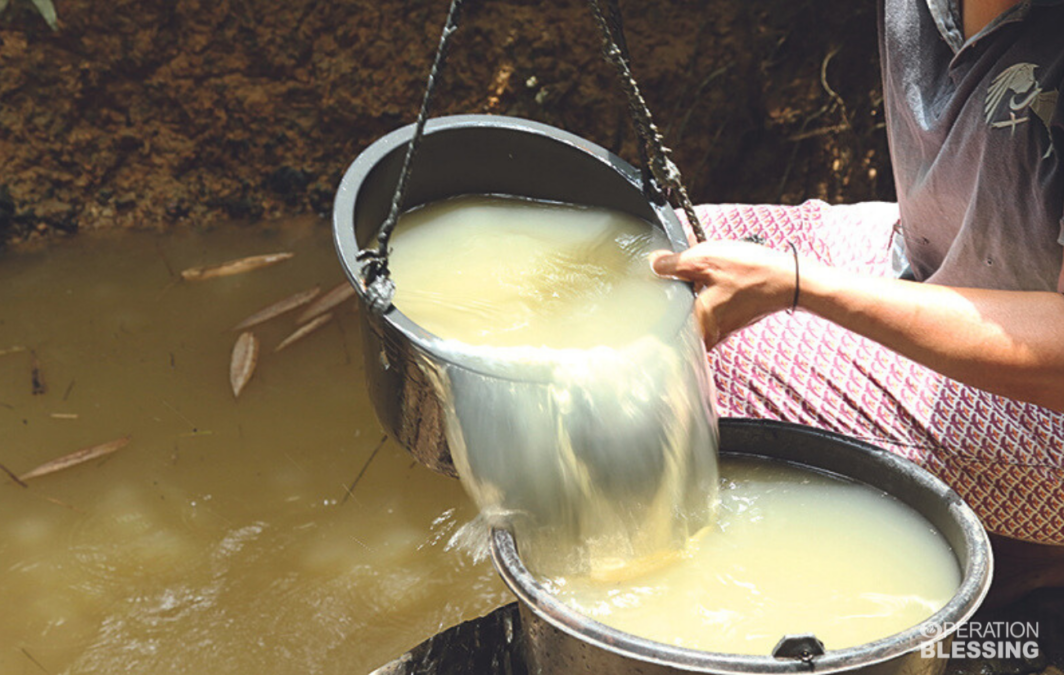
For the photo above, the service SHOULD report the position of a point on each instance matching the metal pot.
(465, 154)
(557, 640)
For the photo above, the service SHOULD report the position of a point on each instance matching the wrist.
(821, 287)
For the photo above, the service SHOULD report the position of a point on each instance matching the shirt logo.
(1017, 86)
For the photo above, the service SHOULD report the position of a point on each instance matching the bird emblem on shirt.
(1025, 97)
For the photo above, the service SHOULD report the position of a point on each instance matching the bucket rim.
(429, 344)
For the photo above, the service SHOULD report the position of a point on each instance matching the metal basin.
(557, 640)
(466, 154)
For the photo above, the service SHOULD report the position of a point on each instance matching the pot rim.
(450, 351)
(975, 584)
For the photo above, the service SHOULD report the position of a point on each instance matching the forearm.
(1006, 342)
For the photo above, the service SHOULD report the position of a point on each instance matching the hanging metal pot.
(557, 640)
(465, 154)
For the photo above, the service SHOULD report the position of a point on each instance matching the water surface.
(219, 540)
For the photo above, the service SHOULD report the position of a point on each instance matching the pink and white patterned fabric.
(1004, 457)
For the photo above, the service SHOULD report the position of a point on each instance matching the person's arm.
(1007, 342)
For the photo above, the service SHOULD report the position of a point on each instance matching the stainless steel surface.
(466, 154)
(557, 640)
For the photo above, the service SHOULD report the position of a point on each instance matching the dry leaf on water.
(304, 330)
(326, 302)
(242, 365)
(234, 266)
(278, 308)
(76, 457)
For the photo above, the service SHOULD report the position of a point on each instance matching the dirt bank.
(154, 113)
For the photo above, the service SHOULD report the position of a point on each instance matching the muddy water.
(581, 415)
(219, 540)
(792, 551)
(506, 272)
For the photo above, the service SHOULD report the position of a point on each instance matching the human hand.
(737, 282)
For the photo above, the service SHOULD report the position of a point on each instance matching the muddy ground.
(154, 113)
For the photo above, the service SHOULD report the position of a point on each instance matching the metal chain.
(380, 289)
(663, 168)
(654, 156)
(650, 187)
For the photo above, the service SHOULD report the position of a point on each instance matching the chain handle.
(661, 165)
(650, 186)
(380, 289)
(657, 167)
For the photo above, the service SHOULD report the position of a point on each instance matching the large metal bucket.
(466, 154)
(557, 640)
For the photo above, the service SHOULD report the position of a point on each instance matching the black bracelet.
(797, 286)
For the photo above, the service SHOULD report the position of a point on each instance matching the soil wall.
(154, 113)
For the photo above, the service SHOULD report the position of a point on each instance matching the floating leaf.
(47, 10)
(304, 330)
(76, 457)
(242, 365)
(278, 308)
(326, 302)
(12, 350)
(232, 267)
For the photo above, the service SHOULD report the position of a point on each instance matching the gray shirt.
(977, 130)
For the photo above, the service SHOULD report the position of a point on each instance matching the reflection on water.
(219, 540)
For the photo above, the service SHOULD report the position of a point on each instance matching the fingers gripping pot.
(489, 403)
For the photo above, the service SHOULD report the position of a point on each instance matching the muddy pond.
(275, 532)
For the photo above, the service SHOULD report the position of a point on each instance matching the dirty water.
(224, 537)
